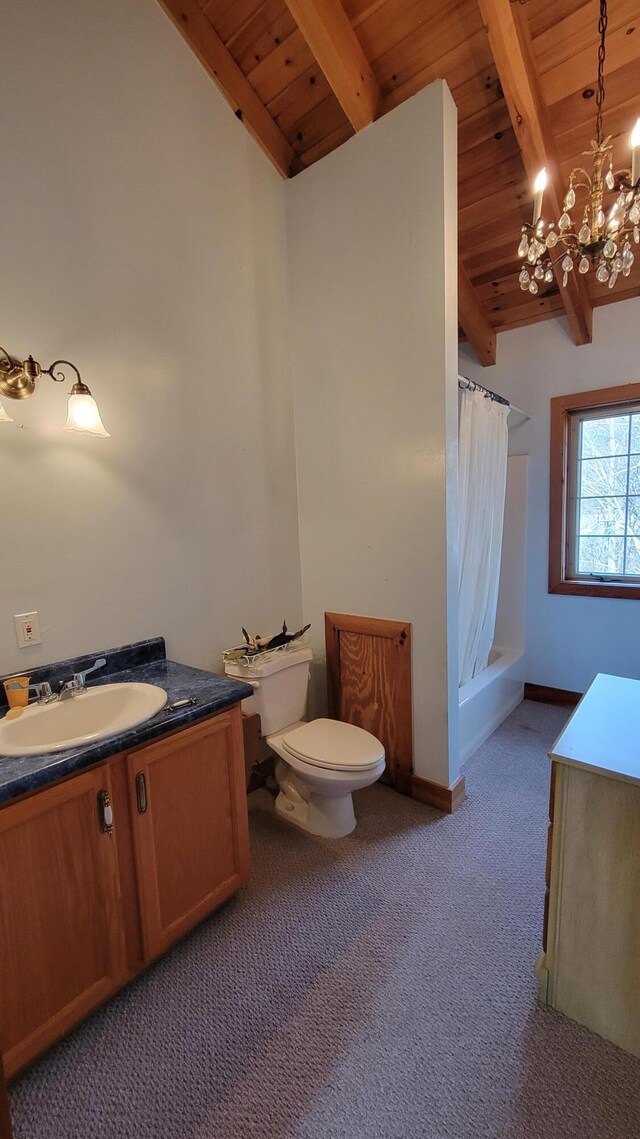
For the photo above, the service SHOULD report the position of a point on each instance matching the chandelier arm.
(61, 377)
(6, 355)
(586, 185)
(558, 261)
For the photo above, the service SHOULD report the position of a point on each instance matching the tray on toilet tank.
(265, 664)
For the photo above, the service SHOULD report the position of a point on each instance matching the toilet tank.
(280, 681)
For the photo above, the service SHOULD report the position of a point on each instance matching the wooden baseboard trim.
(436, 795)
(561, 696)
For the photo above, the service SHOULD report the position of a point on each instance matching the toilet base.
(328, 817)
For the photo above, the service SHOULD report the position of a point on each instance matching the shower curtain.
(482, 479)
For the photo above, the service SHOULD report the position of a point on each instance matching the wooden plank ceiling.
(304, 75)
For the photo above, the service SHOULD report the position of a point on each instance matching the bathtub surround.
(569, 639)
(373, 294)
(489, 697)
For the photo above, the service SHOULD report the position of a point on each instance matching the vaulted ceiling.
(305, 75)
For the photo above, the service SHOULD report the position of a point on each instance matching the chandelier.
(601, 238)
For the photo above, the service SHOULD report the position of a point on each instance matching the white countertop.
(603, 733)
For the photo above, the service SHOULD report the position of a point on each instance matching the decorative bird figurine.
(263, 644)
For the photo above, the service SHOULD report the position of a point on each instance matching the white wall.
(569, 639)
(372, 254)
(142, 235)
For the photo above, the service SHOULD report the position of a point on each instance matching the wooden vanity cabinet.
(61, 929)
(83, 908)
(189, 823)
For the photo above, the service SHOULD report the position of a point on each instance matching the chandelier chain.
(602, 28)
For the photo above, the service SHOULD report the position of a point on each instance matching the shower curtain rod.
(474, 386)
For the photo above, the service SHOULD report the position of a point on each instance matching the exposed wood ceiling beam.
(328, 32)
(191, 21)
(510, 43)
(473, 322)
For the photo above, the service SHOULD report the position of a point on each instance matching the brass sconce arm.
(15, 382)
(18, 377)
(18, 381)
(79, 388)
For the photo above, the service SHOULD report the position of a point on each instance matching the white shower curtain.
(482, 478)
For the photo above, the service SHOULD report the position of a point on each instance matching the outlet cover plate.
(27, 629)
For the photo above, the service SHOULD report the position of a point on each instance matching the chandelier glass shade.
(600, 223)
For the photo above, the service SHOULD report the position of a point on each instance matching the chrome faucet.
(43, 692)
(77, 684)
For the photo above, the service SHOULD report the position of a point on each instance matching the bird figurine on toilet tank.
(254, 645)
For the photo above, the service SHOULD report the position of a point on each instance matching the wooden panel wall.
(369, 684)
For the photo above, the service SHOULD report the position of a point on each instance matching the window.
(594, 546)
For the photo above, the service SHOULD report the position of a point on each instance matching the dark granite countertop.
(143, 662)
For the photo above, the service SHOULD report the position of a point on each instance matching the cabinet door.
(190, 826)
(61, 928)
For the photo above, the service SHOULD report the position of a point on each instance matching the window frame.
(564, 411)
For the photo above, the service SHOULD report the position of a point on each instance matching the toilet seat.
(333, 745)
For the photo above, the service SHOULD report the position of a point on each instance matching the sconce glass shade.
(4, 418)
(83, 415)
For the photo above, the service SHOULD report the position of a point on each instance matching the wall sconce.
(18, 381)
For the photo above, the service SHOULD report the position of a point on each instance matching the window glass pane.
(634, 474)
(633, 555)
(602, 516)
(633, 521)
(601, 477)
(635, 432)
(601, 555)
(605, 436)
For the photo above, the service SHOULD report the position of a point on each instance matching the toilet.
(319, 763)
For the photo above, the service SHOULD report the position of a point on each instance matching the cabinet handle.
(105, 812)
(141, 792)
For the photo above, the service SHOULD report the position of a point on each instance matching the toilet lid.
(332, 744)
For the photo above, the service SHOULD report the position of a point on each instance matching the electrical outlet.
(27, 629)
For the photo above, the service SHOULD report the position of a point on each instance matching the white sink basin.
(95, 714)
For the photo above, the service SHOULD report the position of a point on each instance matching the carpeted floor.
(375, 987)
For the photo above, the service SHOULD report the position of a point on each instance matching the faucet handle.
(80, 677)
(42, 690)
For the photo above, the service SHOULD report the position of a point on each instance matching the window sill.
(596, 589)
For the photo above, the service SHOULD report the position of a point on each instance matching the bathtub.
(487, 700)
